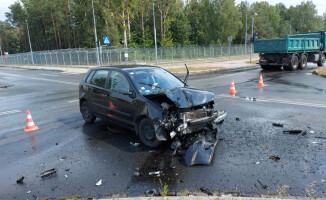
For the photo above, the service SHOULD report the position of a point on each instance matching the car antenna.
(186, 78)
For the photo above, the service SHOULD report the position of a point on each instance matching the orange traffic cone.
(30, 126)
(232, 90)
(261, 82)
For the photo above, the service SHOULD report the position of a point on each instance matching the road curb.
(207, 198)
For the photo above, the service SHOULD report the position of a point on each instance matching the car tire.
(293, 65)
(321, 61)
(147, 133)
(303, 62)
(87, 113)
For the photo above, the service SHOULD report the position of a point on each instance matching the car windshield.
(152, 81)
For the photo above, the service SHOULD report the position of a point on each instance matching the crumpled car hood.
(187, 98)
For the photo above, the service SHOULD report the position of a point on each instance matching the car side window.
(99, 78)
(118, 82)
(89, 78)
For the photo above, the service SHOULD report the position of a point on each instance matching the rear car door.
(122, 102)
(98, 93)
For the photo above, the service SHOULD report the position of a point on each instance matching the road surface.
(84, 153)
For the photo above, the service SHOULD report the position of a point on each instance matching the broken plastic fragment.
(99, 182)
(28, 192)
(293, 131)
(49, 173)
(136, 173)
(66, 176)
(154, 173)
(20, 180)
(278, 124)
(312, 132)
(257, 163)
(134, 144)
(275, 158)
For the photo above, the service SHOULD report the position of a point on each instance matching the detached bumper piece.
(198, 148)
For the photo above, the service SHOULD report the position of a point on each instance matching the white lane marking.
(72, 101)
(9, 112)
(281, 101)
(70, 73)
(42, 79)
(48, 75)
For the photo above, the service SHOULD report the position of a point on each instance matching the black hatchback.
(154, 103)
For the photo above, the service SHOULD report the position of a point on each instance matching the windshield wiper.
(152, 85)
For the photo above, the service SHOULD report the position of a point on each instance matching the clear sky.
(321, 5)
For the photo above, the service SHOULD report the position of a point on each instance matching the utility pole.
(246, 32)
(30, 45)
(96, 42)
(252, 34)
(155, 35)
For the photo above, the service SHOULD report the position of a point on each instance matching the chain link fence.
(119, 56)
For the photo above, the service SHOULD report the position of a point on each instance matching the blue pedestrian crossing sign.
(106, 40)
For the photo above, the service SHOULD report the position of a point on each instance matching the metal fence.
(117, 56)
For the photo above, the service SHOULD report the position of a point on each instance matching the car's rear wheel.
(86, 112)
(147, 133)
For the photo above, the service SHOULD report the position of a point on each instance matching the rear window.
(89, 78)
(99, 78)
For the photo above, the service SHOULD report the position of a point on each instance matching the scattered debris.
(151, 193)
(66, 176)
(136, 173)
(275, 158)
(314, 142)
(207, 191)
(56, 143)
(114, 174)
(257, 163)
(319, 137)
(238, 119)
(322, 180)
(63, 158)
(20, 180)
(28, 192)
(293, 131)
(49, 173)
(173, 166)
(67, 169)
(278, 124)
(312, 132)
(261, 146)
(154, 173)
(262, 185)
(99, 182)
(134, 144)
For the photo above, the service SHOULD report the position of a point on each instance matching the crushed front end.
(190, 121)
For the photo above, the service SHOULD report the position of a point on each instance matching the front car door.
(122, 106)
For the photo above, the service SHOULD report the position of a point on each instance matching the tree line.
(63, 24)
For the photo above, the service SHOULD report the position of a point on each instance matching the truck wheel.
(321, 61)
(293, 65)
(303, 62)
(147, 133)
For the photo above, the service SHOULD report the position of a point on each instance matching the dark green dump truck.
(292, 52)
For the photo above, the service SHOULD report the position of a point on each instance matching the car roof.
(126, 67)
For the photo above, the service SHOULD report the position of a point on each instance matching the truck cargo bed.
(287, 45)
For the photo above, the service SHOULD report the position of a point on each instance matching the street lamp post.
(30, 45)
(155, 36)
(246, 32)
(95, 33)
(252, 33)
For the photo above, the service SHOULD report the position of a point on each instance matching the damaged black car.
(155, 104)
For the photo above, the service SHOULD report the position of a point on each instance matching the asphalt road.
(83, 153)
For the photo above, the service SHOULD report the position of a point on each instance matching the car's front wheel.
(147, 133)
(86, 112)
